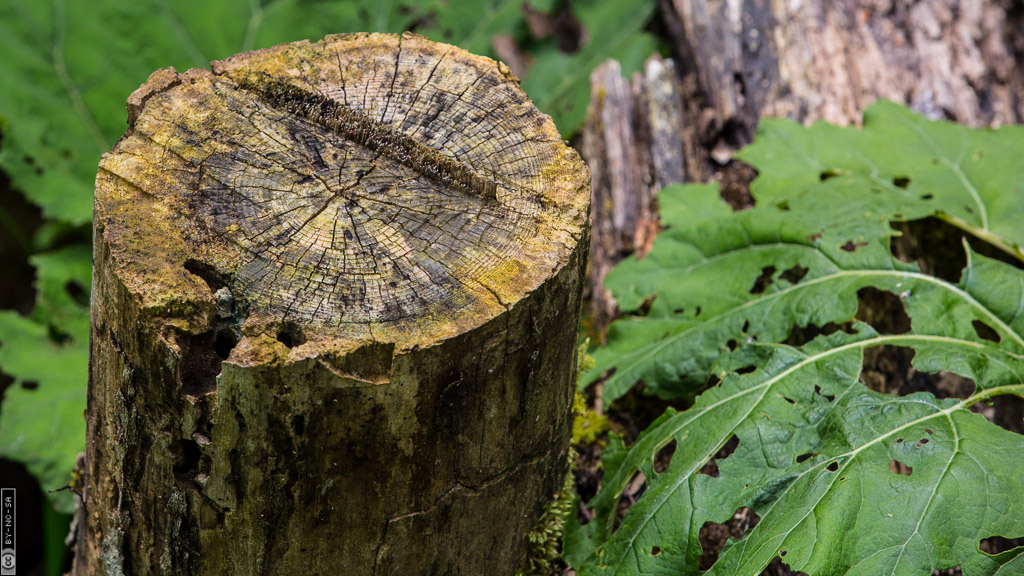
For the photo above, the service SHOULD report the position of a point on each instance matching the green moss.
(544, 540)
(588, 427)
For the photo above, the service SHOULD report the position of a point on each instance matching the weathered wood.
(633, 141)
(336, 292)
(739, 61)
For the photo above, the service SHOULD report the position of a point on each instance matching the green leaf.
(814, 443)
(911, 166)
(704, 272)
(559, 83)
(41, 421)
(471, 24)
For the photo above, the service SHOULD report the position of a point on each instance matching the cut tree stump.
(336, 293)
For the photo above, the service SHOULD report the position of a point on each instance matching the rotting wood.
(336, 293)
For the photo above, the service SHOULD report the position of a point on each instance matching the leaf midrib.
(651, 352)
(766, 387)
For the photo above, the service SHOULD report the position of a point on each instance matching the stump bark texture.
(336, 294)
(736, 61)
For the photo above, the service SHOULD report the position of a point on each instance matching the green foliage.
(908, 166)
(543, 550)
(559, 83)
(814, 443)
(41, 420)
(68, 68)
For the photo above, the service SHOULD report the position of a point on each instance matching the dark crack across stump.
(336, 292)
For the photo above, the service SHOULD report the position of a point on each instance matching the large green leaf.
(814, 444)
(704, 273)
(41, 421)
(972, 178)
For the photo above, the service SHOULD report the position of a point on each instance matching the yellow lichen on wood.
(368, 187)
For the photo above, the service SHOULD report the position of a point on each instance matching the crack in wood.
(377, 136)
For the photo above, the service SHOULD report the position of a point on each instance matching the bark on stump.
(336, 295)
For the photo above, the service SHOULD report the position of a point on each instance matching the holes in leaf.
(852, 246)
(1005, 411)
(805, 457)
(713, 535)
(882, 310)
(711, 468)
(829, 397)
(889, 369)
(746, 369)
(655, 550)
(997, 544)
(633, 490)
(833, 467)
(763, 281)
(901, 182)
(645, 307)
(927, 196)
(897, 467)
(663, 457)
(290, 334)
(800, 335)
(746, 326)
(30, 385)
(921, 442)
(826, 174)
(731, 344)
(77, 293)
(986, 332)
(57, 336)
(791, 401)
(794, 274)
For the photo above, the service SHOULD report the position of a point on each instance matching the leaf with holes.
(905, 167)
(47, 354)
(843, 479)
(721, 280)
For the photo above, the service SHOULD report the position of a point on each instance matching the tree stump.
(335, 300)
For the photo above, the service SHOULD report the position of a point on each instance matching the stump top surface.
(367, 187)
